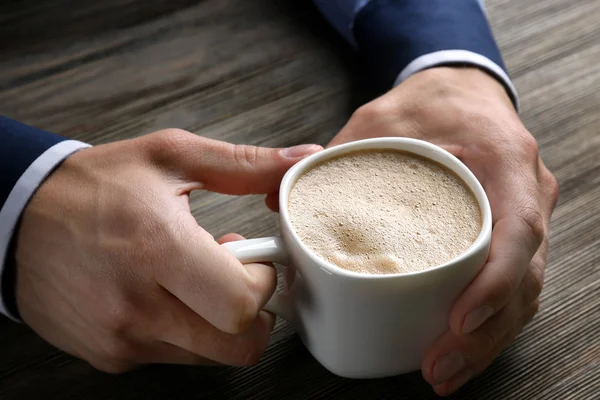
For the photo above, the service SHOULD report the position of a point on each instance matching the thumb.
(228, 168)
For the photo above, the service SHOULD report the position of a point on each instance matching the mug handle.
(267, 249)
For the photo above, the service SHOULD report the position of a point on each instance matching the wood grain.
(273, 73)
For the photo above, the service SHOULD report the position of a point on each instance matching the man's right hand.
(113, 268)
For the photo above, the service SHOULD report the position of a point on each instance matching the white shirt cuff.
(459, 56)
(20, 194)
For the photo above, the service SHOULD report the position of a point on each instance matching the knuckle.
(552, 186)
(531, 311)
(535, 306)
(246, 155)
(248, 353)
(535, 277)
(261, 279)
(505, 287)
(372, 111)
(533, 220)
(251, 356)
(529, 145)
(242, 310)
(119, 351)
(117, 317)
(166, 143)
(174, 137)
(488, 338)
(554, 189)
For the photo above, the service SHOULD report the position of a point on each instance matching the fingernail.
(300, 150)
(475, 318)
(447, 366)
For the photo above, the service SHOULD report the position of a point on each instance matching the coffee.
(384, 212)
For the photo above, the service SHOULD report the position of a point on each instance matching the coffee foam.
(384, 212)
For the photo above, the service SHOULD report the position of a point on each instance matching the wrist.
(465, 78)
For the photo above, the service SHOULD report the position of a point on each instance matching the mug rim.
(383, 143)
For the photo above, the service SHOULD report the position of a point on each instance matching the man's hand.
(469, 114)
(113, 268)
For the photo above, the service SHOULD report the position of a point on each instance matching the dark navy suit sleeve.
(20, 146)
(27, 156)
(401, 37)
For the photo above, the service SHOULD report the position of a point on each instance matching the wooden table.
(273, 73)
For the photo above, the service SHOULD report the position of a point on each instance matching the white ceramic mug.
(360, 325)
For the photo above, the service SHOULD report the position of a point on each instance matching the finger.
(512, 187)
(167, 353)
(211, 281)
(451, 353)
(508, 339)
(224, 167)
(514, 243)
(272, 201)
(533, 280)
(230, 237)
(181, 327)
(519, 229)
(159, 352)
(254, 268)
(549, 191)
(454, 383)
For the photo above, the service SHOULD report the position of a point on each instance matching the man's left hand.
(468, 113)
